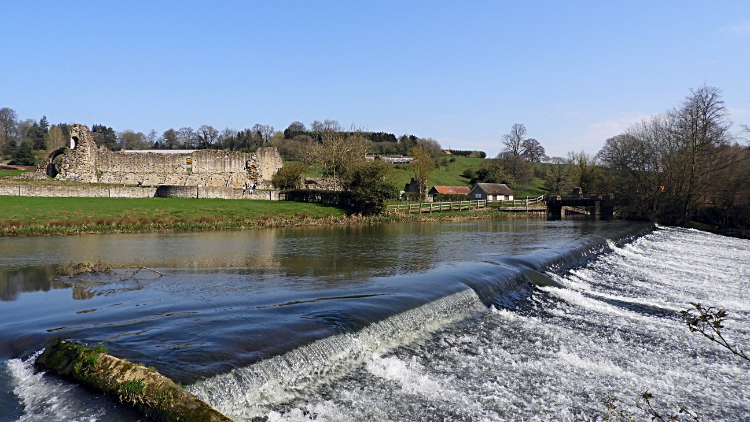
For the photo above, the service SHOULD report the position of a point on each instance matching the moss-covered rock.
(131, 384)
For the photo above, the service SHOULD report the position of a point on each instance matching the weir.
(346, 329)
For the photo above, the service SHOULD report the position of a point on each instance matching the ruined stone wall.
(79, 191)
(84, 162)
(164, 191)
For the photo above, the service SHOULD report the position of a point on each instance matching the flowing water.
(436, 321)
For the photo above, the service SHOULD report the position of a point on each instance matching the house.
(448, 190)
(491, 192)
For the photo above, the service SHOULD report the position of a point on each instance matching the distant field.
(65, 211)
(5, 172)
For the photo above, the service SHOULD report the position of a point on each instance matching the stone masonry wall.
(84, 162)
(163, 191)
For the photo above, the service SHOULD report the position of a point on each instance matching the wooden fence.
(526, 204)
(438, 206)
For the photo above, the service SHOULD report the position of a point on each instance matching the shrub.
(289, 176)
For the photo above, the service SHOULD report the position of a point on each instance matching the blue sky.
(575, 73)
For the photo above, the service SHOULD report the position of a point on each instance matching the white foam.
(253, 391)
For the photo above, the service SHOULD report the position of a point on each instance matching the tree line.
(680, 166)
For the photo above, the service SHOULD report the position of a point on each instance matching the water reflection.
(314, 256)
(29, 279)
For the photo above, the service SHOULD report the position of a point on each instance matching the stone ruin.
(83, 161)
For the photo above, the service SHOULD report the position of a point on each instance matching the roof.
(456, 190)
(495, 188)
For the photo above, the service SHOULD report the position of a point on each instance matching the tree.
(9, 147)
(430, 145)
(24, 155)
(105, 136)
(516, 168)
(558, 175)
(585, 170)
(55, 139)
(206, 136)
(169, 139)
(152, 139)
(371, 185)
(491, 171)
(37, 133)
(682, 165)
(513, 141)
(8, 125)
(131, 140)
(702, 126)
(289, 176)
(264, 132)
(297, 126)
(406, 143)
(422, 165)
(532, 150)
(337, 152)
(186, 136)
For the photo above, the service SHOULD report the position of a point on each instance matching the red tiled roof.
(460, 190)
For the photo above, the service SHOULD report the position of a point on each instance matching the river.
(418, 321)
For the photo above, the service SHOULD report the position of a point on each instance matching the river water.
(421, 321)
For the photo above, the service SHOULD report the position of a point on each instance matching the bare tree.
(152, 138)
(702, 126)
(228, 139)
(532, 150)
(316, 126)
(170, 139)
(431, 145)
(264, 132)
(513, 141)
(8, 124)
(207, 136)
(297, 126)
(330, 125)
(326, 125)
(186, 136)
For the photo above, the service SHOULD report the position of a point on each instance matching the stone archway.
(51, 163)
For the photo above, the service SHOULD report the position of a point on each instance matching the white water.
(46, 398)
(614, 330)
(249, 392)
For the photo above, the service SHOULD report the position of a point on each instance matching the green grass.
(450, 175)
(6, 172)
(21, 210)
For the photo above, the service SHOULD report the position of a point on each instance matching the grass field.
(35, 216)
(452, 175)
(6, 172)
(41, 209)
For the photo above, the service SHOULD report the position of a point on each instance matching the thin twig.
(146, 268)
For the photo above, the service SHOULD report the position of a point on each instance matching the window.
(477, 196)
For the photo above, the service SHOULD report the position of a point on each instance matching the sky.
(463, 73)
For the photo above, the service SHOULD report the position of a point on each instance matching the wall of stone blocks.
(84, 162)
(164, 191)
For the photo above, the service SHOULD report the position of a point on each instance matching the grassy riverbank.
(40, 216)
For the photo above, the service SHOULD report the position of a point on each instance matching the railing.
(521, 202)
(439, 206)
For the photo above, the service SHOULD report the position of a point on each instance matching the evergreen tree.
(24, 155)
